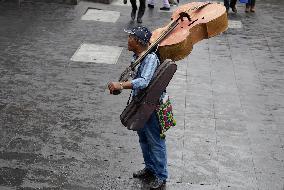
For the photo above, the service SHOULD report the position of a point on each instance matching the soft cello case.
(139, 110)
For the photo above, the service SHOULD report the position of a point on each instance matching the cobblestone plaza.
(60, 128)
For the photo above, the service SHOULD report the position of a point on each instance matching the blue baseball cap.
(142, 33)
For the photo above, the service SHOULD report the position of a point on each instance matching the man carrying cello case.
(148, 88)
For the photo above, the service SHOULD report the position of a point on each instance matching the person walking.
(230, 4)
(140, 11)
(152, 145)
(250, 6)
(166, 5)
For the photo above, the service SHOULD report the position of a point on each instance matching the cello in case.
(139, 110)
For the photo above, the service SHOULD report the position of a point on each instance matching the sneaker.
(158, 184)
(145, 173)
(252, 9)
(164, 8)
(139, 20)
(174, 4)
(151, 6)
(133, 14)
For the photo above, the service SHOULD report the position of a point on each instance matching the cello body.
(205, 22)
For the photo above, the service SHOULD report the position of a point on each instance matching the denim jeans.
(153, 148)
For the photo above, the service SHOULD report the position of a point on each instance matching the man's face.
(132, 43)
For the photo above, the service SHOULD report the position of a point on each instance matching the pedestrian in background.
(140, 11)
(232, 4)
(166, 4)
(250, 6)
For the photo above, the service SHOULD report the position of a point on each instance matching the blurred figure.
(173, 2)
(250, 6)
(140, 11)
(232, 4)
(166, 4)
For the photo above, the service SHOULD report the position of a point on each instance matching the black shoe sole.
(164, 9)
(163, 186)
(147, 175)
(143, 176)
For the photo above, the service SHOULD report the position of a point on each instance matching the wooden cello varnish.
(205, 22)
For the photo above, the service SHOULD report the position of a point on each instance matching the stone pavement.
(60, 129)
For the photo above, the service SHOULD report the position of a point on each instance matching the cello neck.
(173, 24)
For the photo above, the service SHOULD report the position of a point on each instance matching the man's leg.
(227, 4)
(157, 146)
(247, 6)
(166, 6)
(141, 11)
(233, 5)
(252, 5)
(145, 147)
(134, 9)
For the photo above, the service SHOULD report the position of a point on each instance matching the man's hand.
(112, 86)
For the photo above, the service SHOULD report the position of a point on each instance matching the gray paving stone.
(97, 54)
(237, 180)
(101, 15)
(186, 186)
(235, 24)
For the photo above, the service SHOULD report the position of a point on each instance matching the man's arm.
(143, 81)
(112, 86)
(150, 65)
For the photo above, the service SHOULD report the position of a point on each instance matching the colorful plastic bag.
(166, 118)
